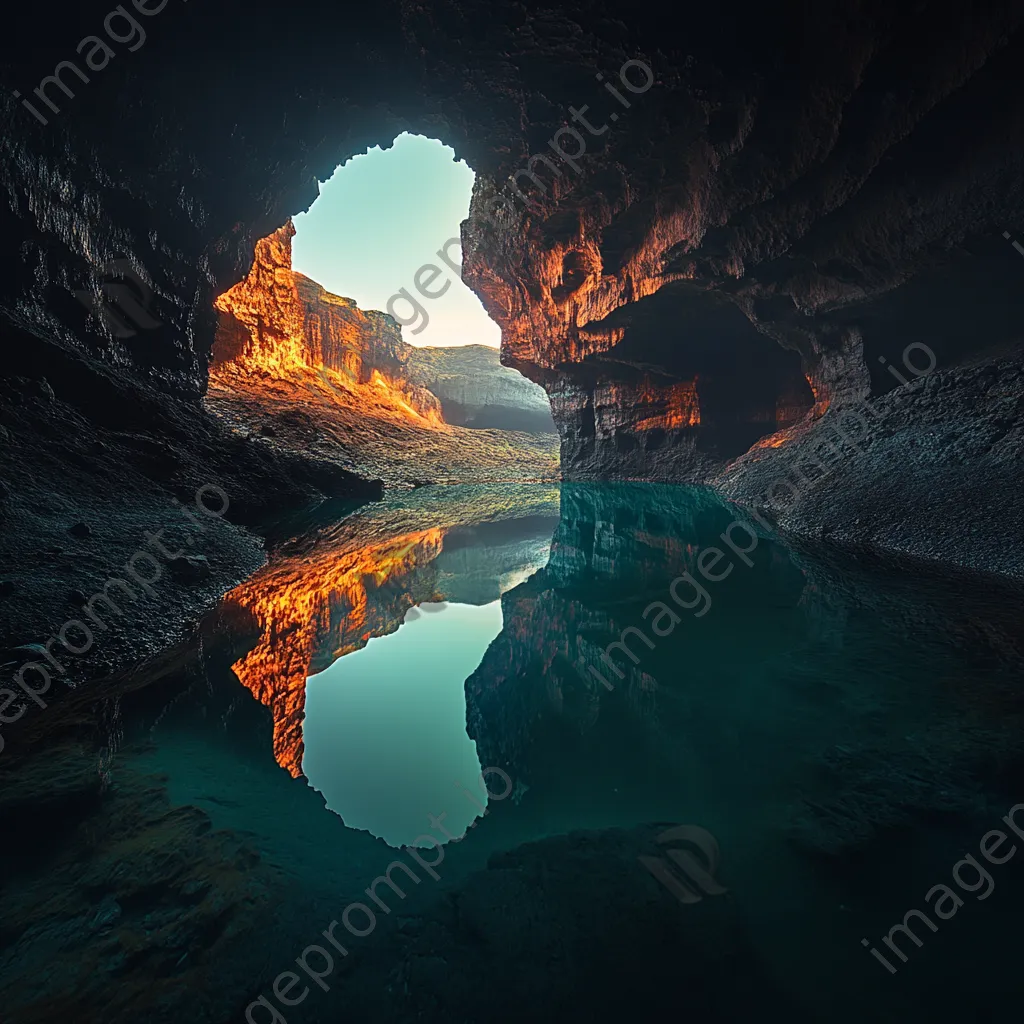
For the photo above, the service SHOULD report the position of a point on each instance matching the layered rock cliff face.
(281, 322)
(800, 192)
(317, 374)
(780, 244)
(750, 251)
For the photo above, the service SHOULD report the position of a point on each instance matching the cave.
(650, 647)
(383, 379)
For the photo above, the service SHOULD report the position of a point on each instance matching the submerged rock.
(23, 652)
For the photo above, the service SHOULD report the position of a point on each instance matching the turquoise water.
(841, 732)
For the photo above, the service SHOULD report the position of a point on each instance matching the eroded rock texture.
(280, 323)
(761, 231)
(800, 191)
(328, 380)
(278, 320)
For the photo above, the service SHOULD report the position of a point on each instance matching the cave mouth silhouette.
(353, 335)
(385, 232)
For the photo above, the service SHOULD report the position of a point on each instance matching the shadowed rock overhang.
(736, 219)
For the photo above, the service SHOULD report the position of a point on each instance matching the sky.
(381, 217)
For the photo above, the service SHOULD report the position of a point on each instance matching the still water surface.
(847, 729)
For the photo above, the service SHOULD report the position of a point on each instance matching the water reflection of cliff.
(325, 593)
(788, 684)
(616, 549)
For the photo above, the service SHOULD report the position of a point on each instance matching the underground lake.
(511, 512)
(622, 660)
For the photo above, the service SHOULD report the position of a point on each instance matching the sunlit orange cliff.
(315, 609)
(301, 368)
(325, 596)
(279, 322)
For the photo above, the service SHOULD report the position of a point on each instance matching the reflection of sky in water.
(385, 727)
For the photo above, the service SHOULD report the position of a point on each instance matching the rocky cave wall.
(801, 191)
(765, 231)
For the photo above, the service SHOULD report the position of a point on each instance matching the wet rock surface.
(926, 470)
(95, 501)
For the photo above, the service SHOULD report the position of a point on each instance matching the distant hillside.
(477, 391)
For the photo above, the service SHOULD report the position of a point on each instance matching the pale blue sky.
(381, 217)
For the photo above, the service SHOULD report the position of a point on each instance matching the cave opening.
(353, 338)
(743, 684)
(355, 335)
(384, 231)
